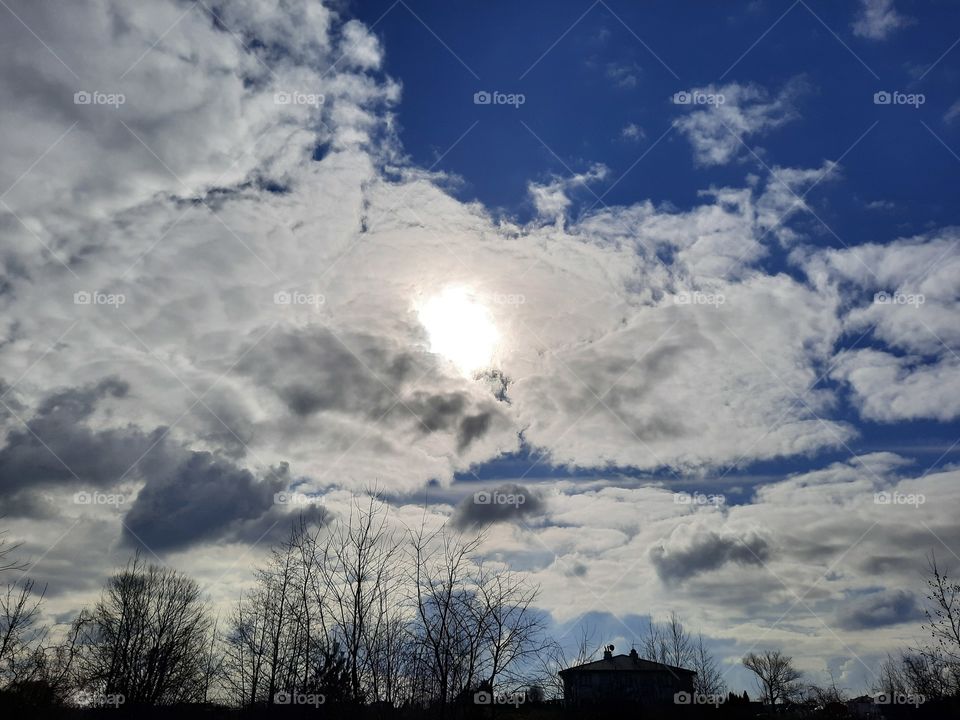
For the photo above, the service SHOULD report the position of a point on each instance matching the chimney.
(608, 652)
(633, 654)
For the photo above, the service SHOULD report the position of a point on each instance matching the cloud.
(198, 497)
(632, 132)
(707, 551)
(722, 117)
(551, 199)
(902, 292)
(878, 19)
(504, 503)
(953, 112)
(880, 609)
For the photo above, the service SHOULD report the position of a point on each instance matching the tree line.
(358, 613)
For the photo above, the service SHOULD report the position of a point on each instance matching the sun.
(460, 328)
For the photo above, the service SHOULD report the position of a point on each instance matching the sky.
(684, 275)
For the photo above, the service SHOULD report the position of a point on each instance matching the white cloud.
(878, 19)
(718, 126)
(632, 132)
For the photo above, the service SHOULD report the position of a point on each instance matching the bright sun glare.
(460, 328)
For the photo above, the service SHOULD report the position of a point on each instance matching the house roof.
(626, 663)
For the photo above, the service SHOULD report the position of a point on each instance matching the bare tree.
(668, 642)
(441, 577)
(20, 637)
(709, 680)
(278, 637)
(360, 570)
(146, 639)
(777, 678)
(7, 562)
(943, 617)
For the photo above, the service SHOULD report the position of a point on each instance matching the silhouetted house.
(624, 680)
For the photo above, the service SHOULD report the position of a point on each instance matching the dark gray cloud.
(187, 496)
(314, 370)
(57, 447)
(503, 503)
(880, 609)
(195, 496)
(708, 551)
